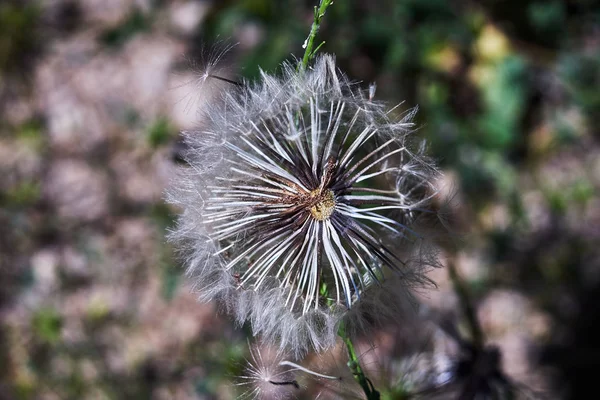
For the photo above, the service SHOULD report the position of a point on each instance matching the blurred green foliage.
(135, 23)
(164, 218)
(47, 325)
(581, 77)
(18, 35)
(22, 195)
(160, 132)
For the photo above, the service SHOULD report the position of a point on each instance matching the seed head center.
(322, 204)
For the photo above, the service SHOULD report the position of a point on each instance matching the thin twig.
(467, 305)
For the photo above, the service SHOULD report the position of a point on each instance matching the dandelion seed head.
(301, 205)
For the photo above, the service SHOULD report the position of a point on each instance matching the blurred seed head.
(462, 370)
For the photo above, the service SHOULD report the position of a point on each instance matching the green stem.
(354, 365)
(309, 43)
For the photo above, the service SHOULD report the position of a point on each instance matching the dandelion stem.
(308, 44)
(357, 371)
